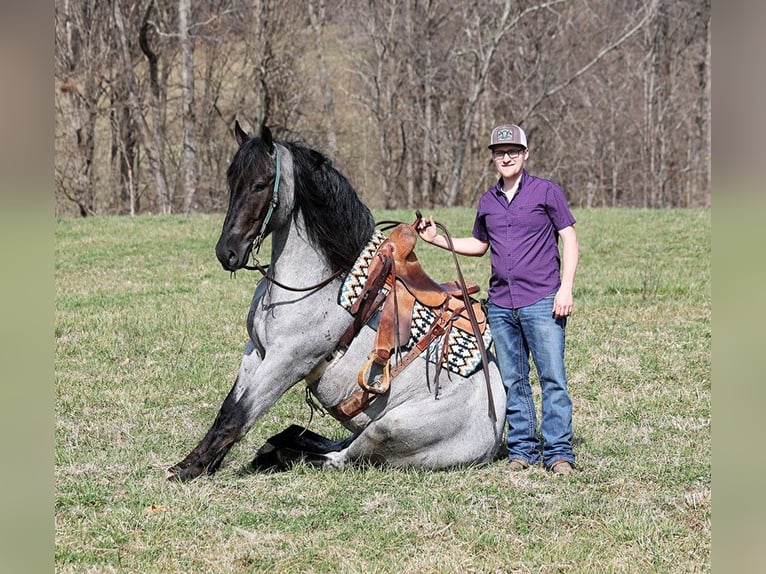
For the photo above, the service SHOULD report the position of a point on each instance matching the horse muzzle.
(233, 255)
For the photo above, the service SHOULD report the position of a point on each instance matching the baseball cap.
(507, 134)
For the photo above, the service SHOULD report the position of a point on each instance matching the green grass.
(149, 332)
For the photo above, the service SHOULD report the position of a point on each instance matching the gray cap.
(508, 134)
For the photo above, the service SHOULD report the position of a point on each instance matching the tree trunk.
(187, 96)
(317, 15)
(704, 152)
(476, 90)
(123, 153)
(156, 130)
(148, 138)
(78, 101)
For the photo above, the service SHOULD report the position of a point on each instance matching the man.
(520, 220)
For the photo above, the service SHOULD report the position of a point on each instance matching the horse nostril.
(232, 258)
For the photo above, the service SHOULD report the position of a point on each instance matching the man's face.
(509, 159)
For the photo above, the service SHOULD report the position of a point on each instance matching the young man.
(520, 220)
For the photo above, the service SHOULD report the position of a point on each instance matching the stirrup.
(380, 384)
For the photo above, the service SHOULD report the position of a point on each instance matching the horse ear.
(266, 136)
(239, 133)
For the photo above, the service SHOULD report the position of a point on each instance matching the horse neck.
(294, 259)
(291, 240)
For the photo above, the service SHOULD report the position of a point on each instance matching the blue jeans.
(516, 333)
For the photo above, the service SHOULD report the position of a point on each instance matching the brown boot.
(516, 464)
(561, 467)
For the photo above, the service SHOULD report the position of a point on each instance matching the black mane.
(336, 219)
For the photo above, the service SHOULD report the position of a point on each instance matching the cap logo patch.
(504, 135)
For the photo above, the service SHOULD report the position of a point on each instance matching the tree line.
(401, 94)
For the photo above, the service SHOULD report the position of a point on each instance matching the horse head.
(253, 179)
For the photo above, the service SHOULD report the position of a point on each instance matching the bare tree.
(151, 136)
(424, 55)
(187, 103)
(123, 149)
(80, 48)
(318, 17)
(216, 65)
(380, 77)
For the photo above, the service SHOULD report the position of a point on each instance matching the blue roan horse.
(318, 227)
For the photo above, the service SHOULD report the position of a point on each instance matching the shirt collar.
(498, 189)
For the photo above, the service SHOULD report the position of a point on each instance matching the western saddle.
(396, 281)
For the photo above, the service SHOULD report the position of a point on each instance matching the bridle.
(272, 206)
(256, 246)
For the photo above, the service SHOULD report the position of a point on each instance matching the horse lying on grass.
(300, 330)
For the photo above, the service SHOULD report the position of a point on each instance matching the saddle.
(396, 280)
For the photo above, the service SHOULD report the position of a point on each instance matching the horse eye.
(260, 187)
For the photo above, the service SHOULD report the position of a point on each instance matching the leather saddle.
(396, 280)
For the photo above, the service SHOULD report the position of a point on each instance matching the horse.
(318, 227)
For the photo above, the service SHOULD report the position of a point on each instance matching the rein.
(471, 317)
(270, 278)
(469, 309)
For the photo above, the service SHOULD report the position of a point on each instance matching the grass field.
(149, 330)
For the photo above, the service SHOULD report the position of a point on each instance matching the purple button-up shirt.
(523, 239)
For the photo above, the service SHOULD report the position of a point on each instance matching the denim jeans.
(516, 333)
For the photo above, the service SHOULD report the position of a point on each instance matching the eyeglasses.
(511, 153)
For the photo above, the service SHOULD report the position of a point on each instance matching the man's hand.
(563, 304)
(427, 229)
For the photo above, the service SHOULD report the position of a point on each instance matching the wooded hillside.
(614, 96)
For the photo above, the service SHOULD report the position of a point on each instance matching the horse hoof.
(178, 473)
(174, 474)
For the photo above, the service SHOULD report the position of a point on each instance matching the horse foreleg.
(235, 418)
(229, 426)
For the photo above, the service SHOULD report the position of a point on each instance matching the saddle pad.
(463, 357)
(357, 277)
(463, 354)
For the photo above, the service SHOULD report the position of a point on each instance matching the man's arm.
(564, 301)
(463, 245)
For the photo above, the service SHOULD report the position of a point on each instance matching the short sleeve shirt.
(523, 239)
